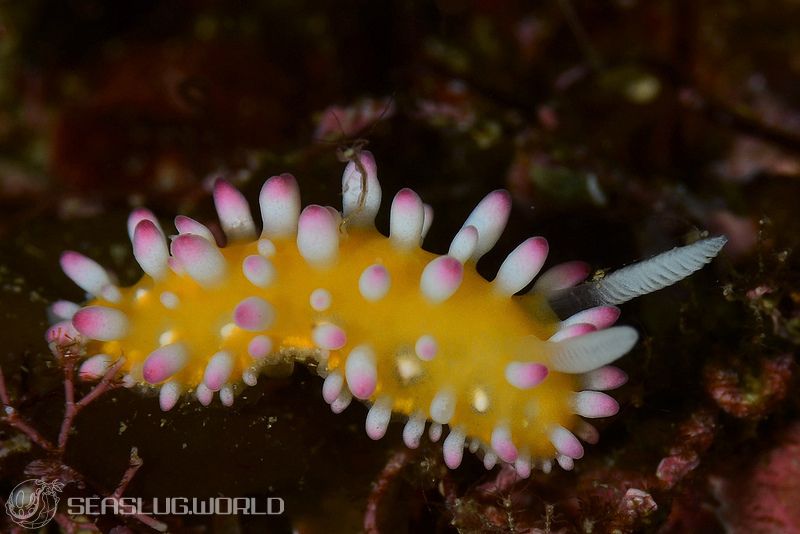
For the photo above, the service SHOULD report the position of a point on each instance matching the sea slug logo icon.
(33, 503)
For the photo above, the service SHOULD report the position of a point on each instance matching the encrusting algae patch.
(382, 320)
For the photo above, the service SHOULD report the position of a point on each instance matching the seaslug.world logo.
(33, 502)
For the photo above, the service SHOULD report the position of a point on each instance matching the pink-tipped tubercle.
(138, 215)
(254, 314)
(441, 278)
(101, 323)
(318, 236)
(150, 249)
(562, 276)
(200, 259)
(464, 244)
(600, 317)
(406, 220)
(359, 206)
(361, 372)
(489, 217)
(374, 282)
(233, 211)
(187, 225)
(88, 275)
(521, 266)
(164, 362)
(280, 206)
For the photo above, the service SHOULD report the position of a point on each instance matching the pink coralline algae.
(694, 436)
(750, 395)
(764, 497)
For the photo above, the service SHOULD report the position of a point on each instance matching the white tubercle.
(352, 182)
(128, 381)
(565, 442)
(561, 276)
(169, 300)
(266, 247)
(62, 333)
(489, 217)
(593, 404)
(233, 212)
(111, 293)
(378, 417)
(374, 282)
(600, 317)
(166, 337)
(138, 215)
(254, 314)
(413, 430)
(62, 310)
(464, 243)
(361, 372)
(203, 394)
(489, 460)
(426, 347)
(523, 465)
(259, 347)
(443, 406)
(89, 275)
(565, 462)
(226, 395)
(175, 266)
(320, 299)
(329, 336)
(441, 278)
(150, 249)
(169, 394)
(258, 270)
(200, 259)
(94, 367)
(101, 323)
(503, 445)
(587, 432)
(318, 236)
(280, 206)
(250, 375)
(453, 448)
(406, 220)
(218, 370)
(336, 214)
(604, 378)
(342, 401)
(427, 221)
(435, 432)
(525, 375)
(332, 386)
(573, 330)
(164, 362)
(521, 266)
(187, 225)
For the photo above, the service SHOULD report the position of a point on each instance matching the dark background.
(622, 128)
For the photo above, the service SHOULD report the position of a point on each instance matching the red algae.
(763, 496)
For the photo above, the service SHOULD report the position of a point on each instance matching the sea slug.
(512, 377)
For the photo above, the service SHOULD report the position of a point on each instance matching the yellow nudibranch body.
(405, 330)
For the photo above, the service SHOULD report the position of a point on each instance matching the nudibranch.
(512, 377)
